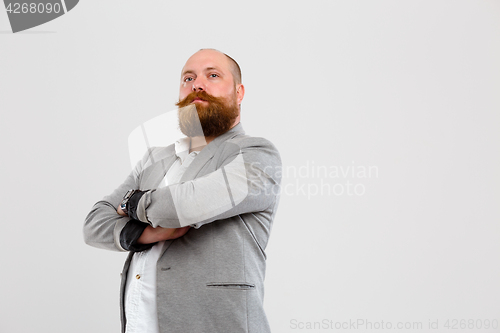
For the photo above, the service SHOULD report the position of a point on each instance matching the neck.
(199, 142)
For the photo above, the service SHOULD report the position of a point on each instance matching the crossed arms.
(149, 235)
(246, 179)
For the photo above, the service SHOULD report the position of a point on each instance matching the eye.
(188, 79)
(214, 75)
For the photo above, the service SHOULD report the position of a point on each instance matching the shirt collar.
(182, 147)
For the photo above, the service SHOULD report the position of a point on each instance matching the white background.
(410, 87)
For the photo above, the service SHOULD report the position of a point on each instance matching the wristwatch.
(126, 198)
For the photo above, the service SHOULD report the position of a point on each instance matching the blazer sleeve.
(103, 225)
(246, 180)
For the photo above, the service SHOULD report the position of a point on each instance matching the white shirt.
(140, 289)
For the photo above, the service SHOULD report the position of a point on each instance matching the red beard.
(215, 119)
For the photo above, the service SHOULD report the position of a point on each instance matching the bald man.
(195, 216)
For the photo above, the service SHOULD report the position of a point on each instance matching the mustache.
(201, 95)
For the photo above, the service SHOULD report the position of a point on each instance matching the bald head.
(235, 69)
(232, 64)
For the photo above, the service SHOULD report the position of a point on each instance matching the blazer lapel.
(207, 153)
(153, 175)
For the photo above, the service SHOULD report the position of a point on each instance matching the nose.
(198, 85)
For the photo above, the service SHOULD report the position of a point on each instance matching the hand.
(177, 232)
(158, 234)
(120, 211)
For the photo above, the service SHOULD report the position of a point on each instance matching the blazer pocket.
(231, 285)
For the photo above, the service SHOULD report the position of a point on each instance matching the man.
(196, 215)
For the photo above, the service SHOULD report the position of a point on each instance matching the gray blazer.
(211, 279)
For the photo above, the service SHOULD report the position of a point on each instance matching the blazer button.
(137, 276)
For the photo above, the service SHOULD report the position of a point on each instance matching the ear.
(240, 92)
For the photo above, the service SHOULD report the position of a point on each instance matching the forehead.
(206, 59)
